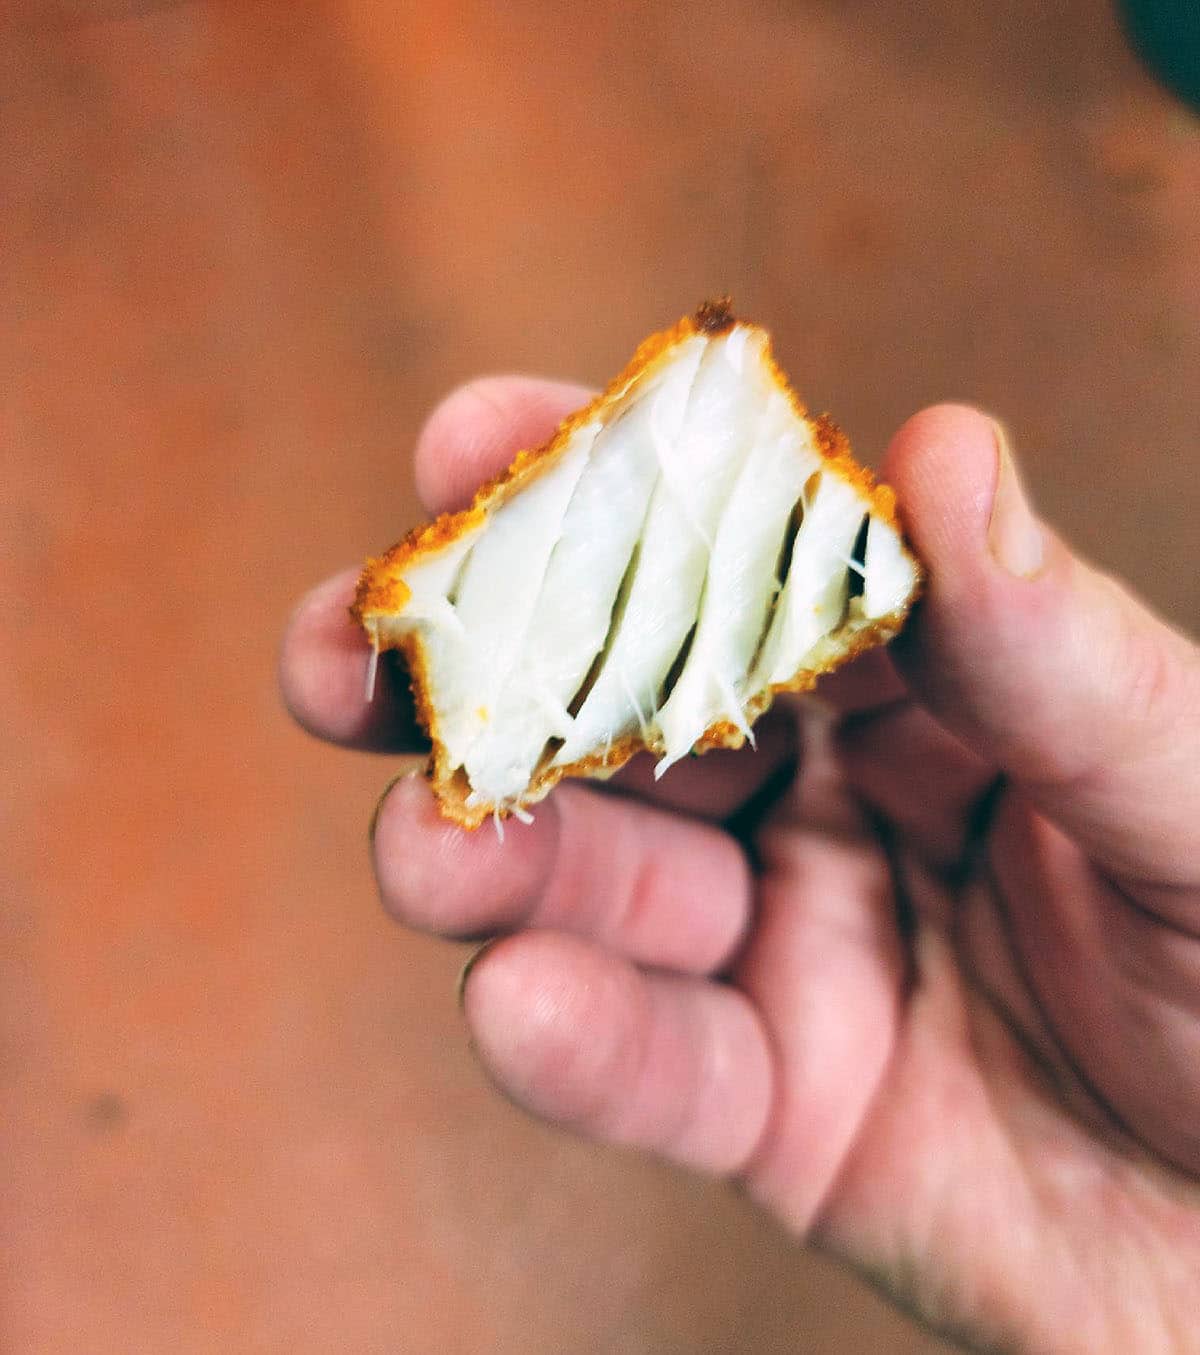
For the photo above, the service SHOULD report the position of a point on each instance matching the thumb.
(1040, 663)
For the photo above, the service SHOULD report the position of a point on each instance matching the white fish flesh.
(685, 547)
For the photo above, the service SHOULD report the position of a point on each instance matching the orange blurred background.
(243, 249)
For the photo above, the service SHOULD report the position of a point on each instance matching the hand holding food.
(923, 972)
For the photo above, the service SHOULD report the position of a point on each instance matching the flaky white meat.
(685, 547)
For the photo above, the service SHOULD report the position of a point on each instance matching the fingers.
(323, 672)
(826, 968)
(660, 889)
(1042, 665)
(918, 776)
(867, 683)
(478, 429)
(675, 1065)
(1119, 991)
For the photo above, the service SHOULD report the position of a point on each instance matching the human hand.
(923, 973)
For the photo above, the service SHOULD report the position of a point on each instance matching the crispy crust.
(382, 592)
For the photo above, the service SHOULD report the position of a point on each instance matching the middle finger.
(662, 889)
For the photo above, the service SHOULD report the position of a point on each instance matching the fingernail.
(1015, 536)
(460, 984)
(407, 775)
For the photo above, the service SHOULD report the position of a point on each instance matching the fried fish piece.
(684, 547)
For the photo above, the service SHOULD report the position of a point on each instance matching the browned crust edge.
(382, 592)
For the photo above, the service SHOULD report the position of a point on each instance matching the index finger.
(477, 430)
(471, 437)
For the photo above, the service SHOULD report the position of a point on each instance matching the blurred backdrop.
(245, 247)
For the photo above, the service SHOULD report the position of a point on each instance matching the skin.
(923, 974)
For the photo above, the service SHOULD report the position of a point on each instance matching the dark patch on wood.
(105, 1112)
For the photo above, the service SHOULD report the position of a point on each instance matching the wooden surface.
(244, 248)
